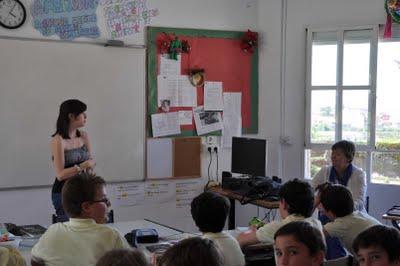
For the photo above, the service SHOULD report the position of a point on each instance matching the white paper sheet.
(232, 124)
(170, 67)
(186, 190)
(233, 103)
(185, 117)
(159, 191)
(165, 124)
(159, 158)
(129, 195)
(177, 89)
(213, 100)
(232, 128)
(206, 121)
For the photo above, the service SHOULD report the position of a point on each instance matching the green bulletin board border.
(152, 32)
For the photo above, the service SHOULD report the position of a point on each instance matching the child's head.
(336, 200)
(123, 257)
(378, 245)
(84, 196)
(298, 197)
(209, 211)
(299, 243)
(193, 251)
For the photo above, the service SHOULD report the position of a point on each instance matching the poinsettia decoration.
(163, 43)
(249, 41)
(393, 15)
(172, 45)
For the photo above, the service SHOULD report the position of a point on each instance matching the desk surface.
(232, 195)
(122, 228)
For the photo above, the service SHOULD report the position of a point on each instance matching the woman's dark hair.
(304, 233)
(299, 197)
(79, 189)
(337, 199)
(347, 147)
(123, 257)
(209, 211)
(71, 106)
(381, 236)
(193, 251)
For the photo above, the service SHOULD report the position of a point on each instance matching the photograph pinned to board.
(165, 124)
(206, 121)
(213, 100)
(177, 89)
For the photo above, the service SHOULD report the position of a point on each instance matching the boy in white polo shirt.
(209, 211)
(338, 205)
(296, 204)
(85, 238)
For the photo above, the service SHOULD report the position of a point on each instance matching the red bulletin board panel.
(220, 55)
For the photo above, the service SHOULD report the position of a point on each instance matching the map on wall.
(126, 17)
(69, 19)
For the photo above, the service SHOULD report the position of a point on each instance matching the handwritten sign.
(69, 19)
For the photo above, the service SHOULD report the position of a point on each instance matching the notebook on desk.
(394, 211)
(32, 230)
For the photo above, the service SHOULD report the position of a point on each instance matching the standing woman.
(344, 172)
(70, 148)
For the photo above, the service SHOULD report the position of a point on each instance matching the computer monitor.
(249, 156)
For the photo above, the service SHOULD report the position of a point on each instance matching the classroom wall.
(23, 206)
(281, 98)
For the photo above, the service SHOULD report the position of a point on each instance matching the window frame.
(339, 88)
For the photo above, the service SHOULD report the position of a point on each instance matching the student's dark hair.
(304, 233)
(347, 147)
(123, 257)
(337, 199)
(299, 196)
(79, 189)
(193, 251)
(209, 211)
(71, 106)
(387, 238)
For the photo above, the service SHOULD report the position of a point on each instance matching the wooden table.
(232, 196)
(394, 219)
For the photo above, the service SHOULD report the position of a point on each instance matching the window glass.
(388, 97)
(355, 116)
(323, 116)
(386, 168)
(356, 57)
(324, 59)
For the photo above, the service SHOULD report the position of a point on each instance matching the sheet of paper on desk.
(130, 194)
(170, 67)
(213, 96)
(165, 124)
(159, 191)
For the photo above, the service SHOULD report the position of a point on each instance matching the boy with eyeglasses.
(84, 238)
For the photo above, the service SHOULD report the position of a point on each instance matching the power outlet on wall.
(212, 142)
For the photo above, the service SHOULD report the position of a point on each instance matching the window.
(353, 93)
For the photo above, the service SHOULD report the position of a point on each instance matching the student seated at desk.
(194, 251)
(299, 243)
(209, 211)
(338, 205)
(85, 238)
(296, 204)
(379, 245)
(123, 257)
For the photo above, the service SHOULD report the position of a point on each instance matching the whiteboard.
(36, 76)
